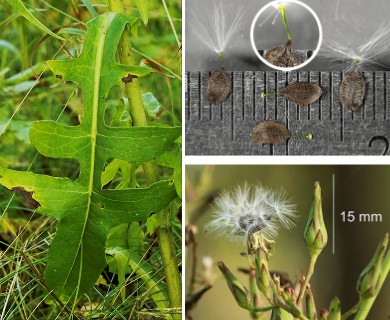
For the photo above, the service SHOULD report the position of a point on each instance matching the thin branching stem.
(310, 272)
(171, 23)
(351, 311)
(194, 244)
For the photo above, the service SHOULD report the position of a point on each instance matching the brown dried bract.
(218, 87)
(270, 132)
(302, 93)
(27, 195)
(352, 90)
(284, 56)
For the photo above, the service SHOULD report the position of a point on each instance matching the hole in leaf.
(62, 168)
(117, 112)
(118, 174)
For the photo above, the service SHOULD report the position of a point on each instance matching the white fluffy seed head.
(247, 209)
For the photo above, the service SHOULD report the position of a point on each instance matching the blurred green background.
(364, 189)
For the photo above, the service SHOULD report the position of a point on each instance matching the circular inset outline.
(272, 3)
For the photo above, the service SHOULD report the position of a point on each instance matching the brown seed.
(284, 56)
(218, 87)
(270, 132)
(352, 90)
(302, 93)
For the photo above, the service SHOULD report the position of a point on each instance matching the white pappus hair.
(248, 209)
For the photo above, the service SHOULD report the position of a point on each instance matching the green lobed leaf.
(85, 211)
(177, 175)
(142, 6)
(19, 7)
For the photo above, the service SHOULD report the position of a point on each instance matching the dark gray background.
(352, 21)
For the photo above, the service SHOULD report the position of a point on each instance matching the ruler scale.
(225, 129)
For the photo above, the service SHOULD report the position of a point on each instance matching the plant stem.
(133, 91)
(164, 231)
(310, 272)
(264, 309)
(171, 23)
(366, 303)
(351, 311)
(194, 263)
(168, 256)
(282, 9)
(255, 293)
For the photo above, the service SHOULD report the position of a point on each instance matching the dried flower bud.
(290, 299)
(290, 294)
(240, 293)
(263, 278)
(316, 235)
(369, 280)
(335, 309)
(324, 314)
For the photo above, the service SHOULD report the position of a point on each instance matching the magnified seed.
(302, 93)
(270, 132)
(284, 56)
(352, 90)
(218, 87)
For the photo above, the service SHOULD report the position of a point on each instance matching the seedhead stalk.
(263, 95)
(220, 56)
(282, 9)
(308, 136)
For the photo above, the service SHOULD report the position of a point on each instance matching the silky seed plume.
(248, 209)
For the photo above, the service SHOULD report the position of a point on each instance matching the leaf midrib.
(93, 134)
